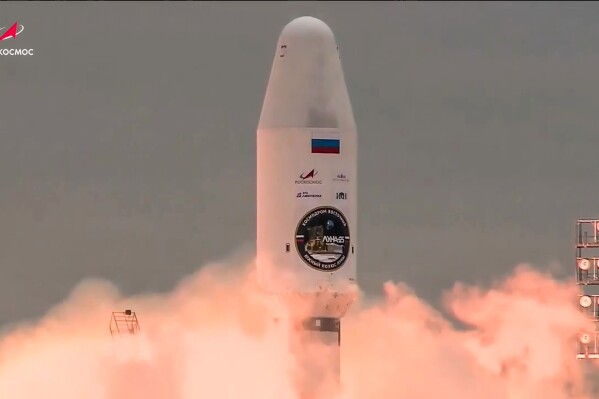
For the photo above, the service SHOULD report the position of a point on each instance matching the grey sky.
(128, 140)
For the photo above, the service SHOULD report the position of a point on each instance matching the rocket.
(307, 197)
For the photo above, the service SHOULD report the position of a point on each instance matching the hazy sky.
(128, 141)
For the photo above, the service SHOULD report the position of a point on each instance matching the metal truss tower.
(587, 278)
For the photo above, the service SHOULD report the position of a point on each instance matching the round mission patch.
(322, 238)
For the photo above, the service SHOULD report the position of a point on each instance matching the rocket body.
(307, 169)
(307, 185)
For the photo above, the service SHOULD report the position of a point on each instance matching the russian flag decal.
(326, 143)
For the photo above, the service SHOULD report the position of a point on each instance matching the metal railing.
(124, 323)
(588, 347)
(589, 306)
(587, 270)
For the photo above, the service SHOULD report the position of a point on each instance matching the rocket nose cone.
(307, 27)
(306, 87)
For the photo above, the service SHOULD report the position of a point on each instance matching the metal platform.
(587, 270)
(588, 346)
(590, 356)
(587, 252)
(587, 233)
(589, 305)
(124, 323)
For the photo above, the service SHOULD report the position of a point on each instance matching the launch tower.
(587, 278)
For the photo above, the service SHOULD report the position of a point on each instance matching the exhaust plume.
(213, 337)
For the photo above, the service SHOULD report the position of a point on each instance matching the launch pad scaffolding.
(124, 323)
(587, 278)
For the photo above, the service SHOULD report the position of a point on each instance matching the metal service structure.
(124, 323)
(587, 278)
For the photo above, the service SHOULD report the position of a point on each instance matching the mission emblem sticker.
(322, 238)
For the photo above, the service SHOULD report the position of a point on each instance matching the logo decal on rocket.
(11, 32)
(341, 177)
(306, 194)
(322, 239)
(308, 178)
(341, 195)
(310, 175)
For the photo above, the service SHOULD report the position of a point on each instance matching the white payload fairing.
(307, 185)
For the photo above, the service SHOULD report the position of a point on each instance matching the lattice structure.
(124, 323)
(587, 278)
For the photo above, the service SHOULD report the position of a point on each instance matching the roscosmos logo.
(310, 175)
(11, 32)
(308, 178)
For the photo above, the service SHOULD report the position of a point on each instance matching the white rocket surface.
(306, 186)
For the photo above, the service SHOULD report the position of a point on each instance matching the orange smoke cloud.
(212, 337)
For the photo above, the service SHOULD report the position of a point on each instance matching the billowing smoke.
(212, 337)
